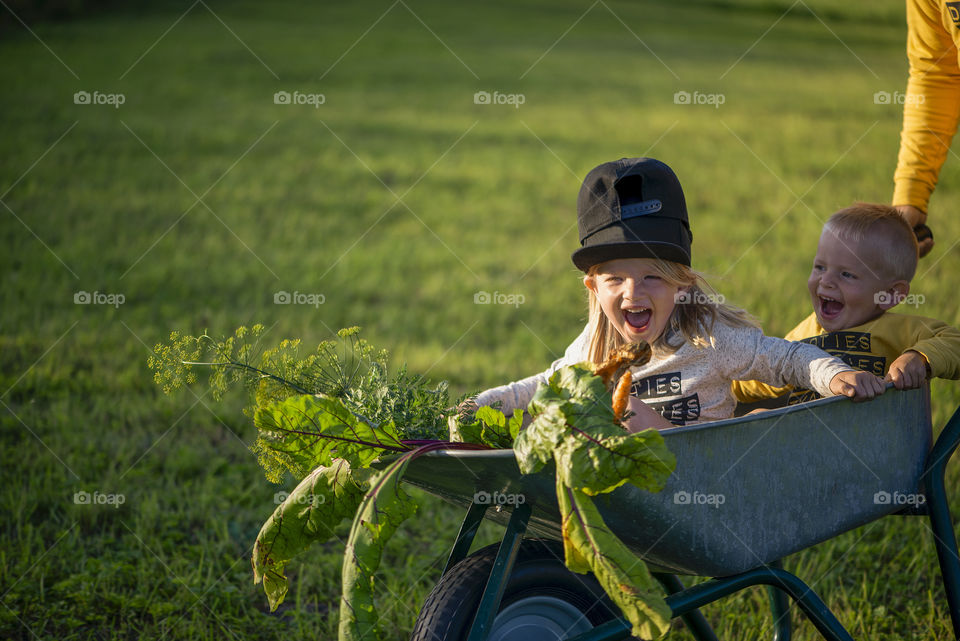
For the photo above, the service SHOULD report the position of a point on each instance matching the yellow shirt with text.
(870, 347)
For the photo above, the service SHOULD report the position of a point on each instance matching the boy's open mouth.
(637, 317)
(830, 308)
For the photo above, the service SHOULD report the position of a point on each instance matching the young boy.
(865, 260)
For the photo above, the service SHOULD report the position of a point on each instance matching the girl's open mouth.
(830, 308)
(638, 318)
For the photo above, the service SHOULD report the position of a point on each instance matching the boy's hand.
(908, 371)
(859, 386)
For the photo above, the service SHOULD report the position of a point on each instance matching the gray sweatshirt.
(693, 384)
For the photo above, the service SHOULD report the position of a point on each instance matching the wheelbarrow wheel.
(542, 600)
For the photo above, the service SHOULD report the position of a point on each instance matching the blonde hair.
(692, 319)
(895, 245)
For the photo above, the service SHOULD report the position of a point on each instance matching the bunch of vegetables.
(326, 416)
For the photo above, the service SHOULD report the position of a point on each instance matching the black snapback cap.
(632, 208)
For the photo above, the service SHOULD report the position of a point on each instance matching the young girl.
(635, 251)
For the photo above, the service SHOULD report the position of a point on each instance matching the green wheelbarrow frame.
(893, 428)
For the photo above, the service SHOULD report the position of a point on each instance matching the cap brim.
(586, 257)
(643, 237)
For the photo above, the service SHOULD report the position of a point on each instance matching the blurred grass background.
(398, 199)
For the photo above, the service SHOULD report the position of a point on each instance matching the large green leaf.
(305, 431)
(489, 427)
(576, 383)
(308, 515)
(535, 445)
(384, 508)
(574, 426)
(590, 546)
(598, 464)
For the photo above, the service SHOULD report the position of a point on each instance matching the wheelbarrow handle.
(944, 538)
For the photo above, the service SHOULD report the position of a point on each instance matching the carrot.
(621, 395)
(621, 359)
(615, 372)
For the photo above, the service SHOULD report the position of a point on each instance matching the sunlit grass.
(398, 199)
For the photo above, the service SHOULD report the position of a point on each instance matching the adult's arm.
(931, 107)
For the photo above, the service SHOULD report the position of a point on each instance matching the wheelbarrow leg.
(493, 592)
(700, 628)
(695, 621)
(808, 601)
(714, 589)
(468, 530)
(945, 541)
(779, 609)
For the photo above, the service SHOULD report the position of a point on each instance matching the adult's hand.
(915, 217)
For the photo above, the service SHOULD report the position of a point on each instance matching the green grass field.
(398, 199)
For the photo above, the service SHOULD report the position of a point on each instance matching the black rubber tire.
(539, 571)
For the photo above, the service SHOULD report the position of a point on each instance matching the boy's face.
(633, 295)
(846, 285)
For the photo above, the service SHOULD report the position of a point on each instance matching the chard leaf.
(602, 464)
(463, 432)
(302, 432)
(514, 424)
(489, 427)
(574, 425)
(383, 509)
(308, 515)
(574, 383)
(535, 445)
(491, 418)
(589, 545)
(494, 432)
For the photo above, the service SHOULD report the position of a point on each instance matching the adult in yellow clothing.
(931, 108)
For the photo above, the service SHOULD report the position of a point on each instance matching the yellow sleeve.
(931, 107)
(940, 345)
(753, 391)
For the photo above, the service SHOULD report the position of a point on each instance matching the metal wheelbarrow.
(746, 492)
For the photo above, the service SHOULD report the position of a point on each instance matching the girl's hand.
(859, 386)
(644, 417)
(465, 410)
(910, 370)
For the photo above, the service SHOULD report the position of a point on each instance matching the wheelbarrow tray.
(745, 492)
